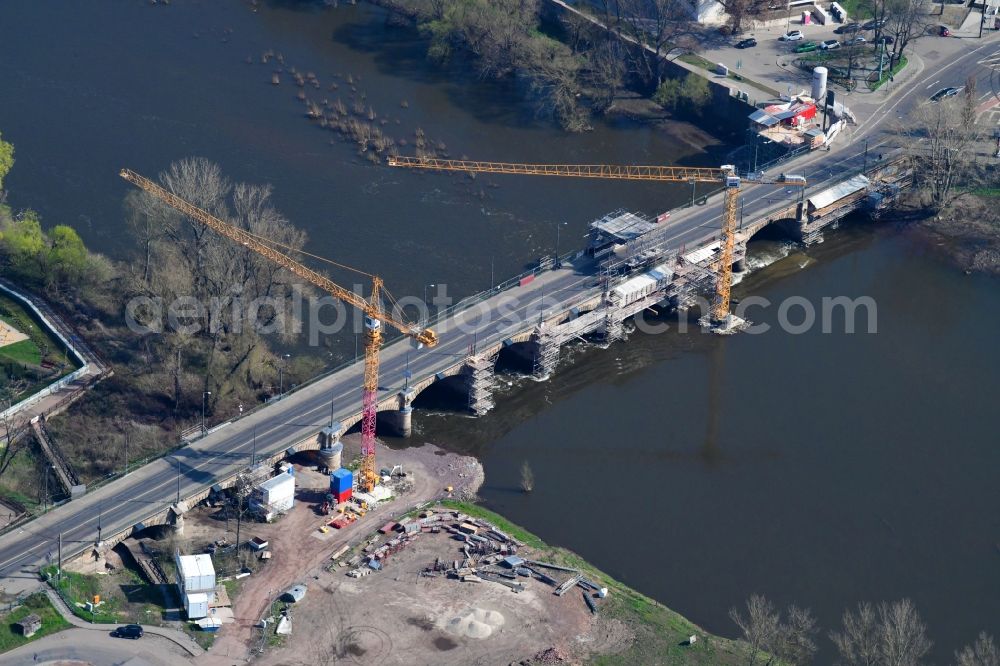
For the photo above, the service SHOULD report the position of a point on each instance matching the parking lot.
(772, 60)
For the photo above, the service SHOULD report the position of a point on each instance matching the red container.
(342, 497)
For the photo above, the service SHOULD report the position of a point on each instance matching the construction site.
(302, 530)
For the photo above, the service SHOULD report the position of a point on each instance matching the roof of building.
(195, 565)
(702, 253)
(277, 481)
(623, 226)
(342, 473)
(762, 117)
(838, 191)
(197, 598)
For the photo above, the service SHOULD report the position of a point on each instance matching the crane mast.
(375, 315)
(726, 175)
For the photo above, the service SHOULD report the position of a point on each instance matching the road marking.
(929, 84)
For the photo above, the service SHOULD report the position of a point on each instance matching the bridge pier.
(401, 420)
(545, 354)
(480, 373)
(330, 447)
(740, 265)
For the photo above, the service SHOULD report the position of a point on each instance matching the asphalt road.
(84, 646)
(143, 492)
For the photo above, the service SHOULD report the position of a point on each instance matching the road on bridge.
(298, 415)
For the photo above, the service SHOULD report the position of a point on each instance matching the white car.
(792, 36)
(829, 44)
(856, 40)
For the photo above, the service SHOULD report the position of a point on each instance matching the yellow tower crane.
(375, 315)
(726, 175)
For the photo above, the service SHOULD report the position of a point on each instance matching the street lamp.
(559, 226)
(178, 461)
(204, 398)
(426, 304)
(281, 377)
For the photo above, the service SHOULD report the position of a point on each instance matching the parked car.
(848, 28)
(132, 631)
(857, 39)
(792, 36)
(747, 43)
(874, 25)
(806, 47)
(945, 93)
(884, 39)
(944, 31)
(829, 44)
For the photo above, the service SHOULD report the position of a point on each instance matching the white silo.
(819, 84)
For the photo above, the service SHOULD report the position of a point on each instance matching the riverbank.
(967, 233)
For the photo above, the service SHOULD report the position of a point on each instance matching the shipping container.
(342, 497)
(341, 480)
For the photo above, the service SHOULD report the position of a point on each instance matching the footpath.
(178, 638)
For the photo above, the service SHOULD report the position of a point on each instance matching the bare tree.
(14, 433)
(984, 652)
(658, 27)
(903, 634)
(527, 477)
(795, 642)
(906, 20)
(891, 635)
(741, 11)
(759, 626)
(943, 140)
(858, 643)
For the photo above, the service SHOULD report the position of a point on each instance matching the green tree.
(6, 159)
(695, 91)
(668, 94)
(67, 256)
(23, 238)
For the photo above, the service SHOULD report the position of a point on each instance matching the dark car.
(848, 28)
(884, 39)
(874, 25)
(944, 31)
(944, 93)
(132, 631)
(748, 43)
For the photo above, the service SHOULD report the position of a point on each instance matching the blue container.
(341, 480)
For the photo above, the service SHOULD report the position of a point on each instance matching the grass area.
(896, 69)
(80, 588)
(205, 639)
(38, 604)
(856, 10)
(660, 633)
(986, 192)
(24, 351)
(15, 314)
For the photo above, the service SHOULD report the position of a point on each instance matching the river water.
(818, 468)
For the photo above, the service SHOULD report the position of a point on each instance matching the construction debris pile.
(490, 555)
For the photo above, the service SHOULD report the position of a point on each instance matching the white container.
(195, 573)
(196, 605)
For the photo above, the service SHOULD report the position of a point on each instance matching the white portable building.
(196, 605)
(196, 583)
(274, 496)
(195, 573)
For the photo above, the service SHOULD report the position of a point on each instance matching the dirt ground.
(397, 617)
(300, 550)
(9, 335)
